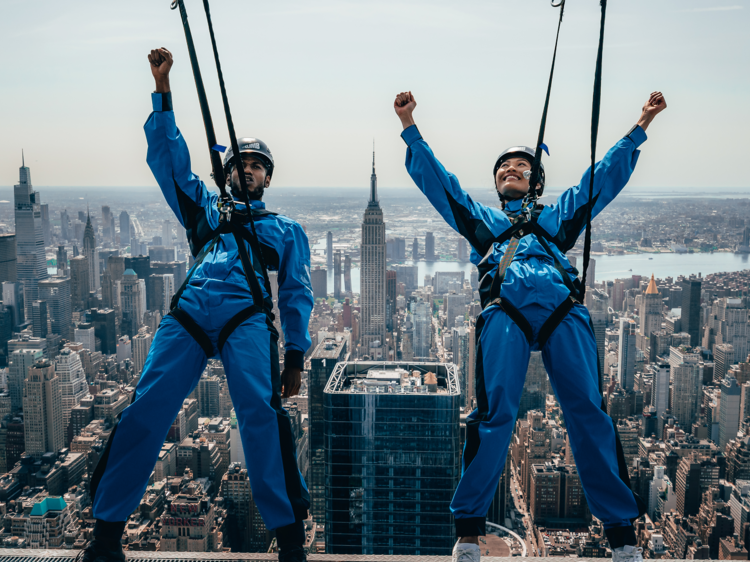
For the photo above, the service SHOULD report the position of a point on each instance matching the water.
(608, 268)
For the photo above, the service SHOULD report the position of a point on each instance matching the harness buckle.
(226, 208)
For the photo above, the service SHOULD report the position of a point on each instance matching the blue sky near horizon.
(317, 82)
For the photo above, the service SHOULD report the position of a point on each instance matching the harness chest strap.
(513, 313)
(191, 326)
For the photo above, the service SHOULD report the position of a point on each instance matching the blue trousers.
(570, 358)
(172, 370)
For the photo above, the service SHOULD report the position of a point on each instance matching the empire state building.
(372, 276)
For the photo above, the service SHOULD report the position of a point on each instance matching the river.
(608, 267)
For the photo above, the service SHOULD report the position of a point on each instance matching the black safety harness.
(526, 222)
(231, 220)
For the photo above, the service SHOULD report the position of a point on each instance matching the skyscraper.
(329, 250)
(733, 327)
(392, 456)
(62, 261)
(166, 234)
(329, 352)
(372, 274)
(429, 247)
(42, 408)
(107, 233)
(422, 328)
(337, 275)
(390, 298)
(73, 388)
(415, 250)
(31, 260)
(535, 387)
(56, 292)
(660, 392)
(124, 228)
(319, 279)
(686, 393)
(39, 317)
(18, 370)
(8, 260)
(691, 308)
(13, 298)
(92, 254)
(651, 313)
(65, 225)
(729, 411)
(44, 208)
(132, 306)
(103, 320)
(79, 280)
(141, 344)
(626, 354)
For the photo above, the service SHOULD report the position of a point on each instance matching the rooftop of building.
(329, 347)
(34, 555)
(393, 377)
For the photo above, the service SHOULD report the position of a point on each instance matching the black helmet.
(519, 152)
(256, 147)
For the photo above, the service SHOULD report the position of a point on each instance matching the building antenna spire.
(373, 179)
(23, 159)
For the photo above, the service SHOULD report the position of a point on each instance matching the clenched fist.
(161, 63)
(655, 105)
(404, 106)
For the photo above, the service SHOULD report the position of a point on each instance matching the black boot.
(102, 551)
(295, 554)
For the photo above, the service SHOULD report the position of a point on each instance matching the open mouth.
(511, 177)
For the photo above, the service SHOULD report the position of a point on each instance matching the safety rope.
(236, 156)
(214, 149)
(595, 110)
(531, 197)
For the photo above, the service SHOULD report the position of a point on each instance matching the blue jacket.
(284, 243)
(480, 225)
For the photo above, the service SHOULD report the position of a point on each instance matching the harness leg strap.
(192, 328)
(554, 320)
(234, 323)
(518, 318)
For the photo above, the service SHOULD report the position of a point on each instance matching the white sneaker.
(466, 552)
(627, 554)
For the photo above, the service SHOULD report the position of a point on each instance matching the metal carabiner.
(226, 208)
(554, 4)
(175, 4)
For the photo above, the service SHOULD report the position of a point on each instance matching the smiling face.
(256, 176)
(509, 179)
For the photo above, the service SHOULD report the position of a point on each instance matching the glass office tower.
(392, 458)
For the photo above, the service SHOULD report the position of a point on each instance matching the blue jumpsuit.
(533, 285)
(217, 290)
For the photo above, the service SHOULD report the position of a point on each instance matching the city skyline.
(670, 46)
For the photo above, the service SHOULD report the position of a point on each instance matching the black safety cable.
(216, 166)
(235, 148)
(595, 110)
(537, 164)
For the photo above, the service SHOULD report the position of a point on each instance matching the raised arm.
(469, 218)
(566, 219)
(168, 155)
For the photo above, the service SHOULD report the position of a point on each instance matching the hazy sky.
(316, 81)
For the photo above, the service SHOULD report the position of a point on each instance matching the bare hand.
(161, 63)
(291, 381)
(655, 105)
(404, 106)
